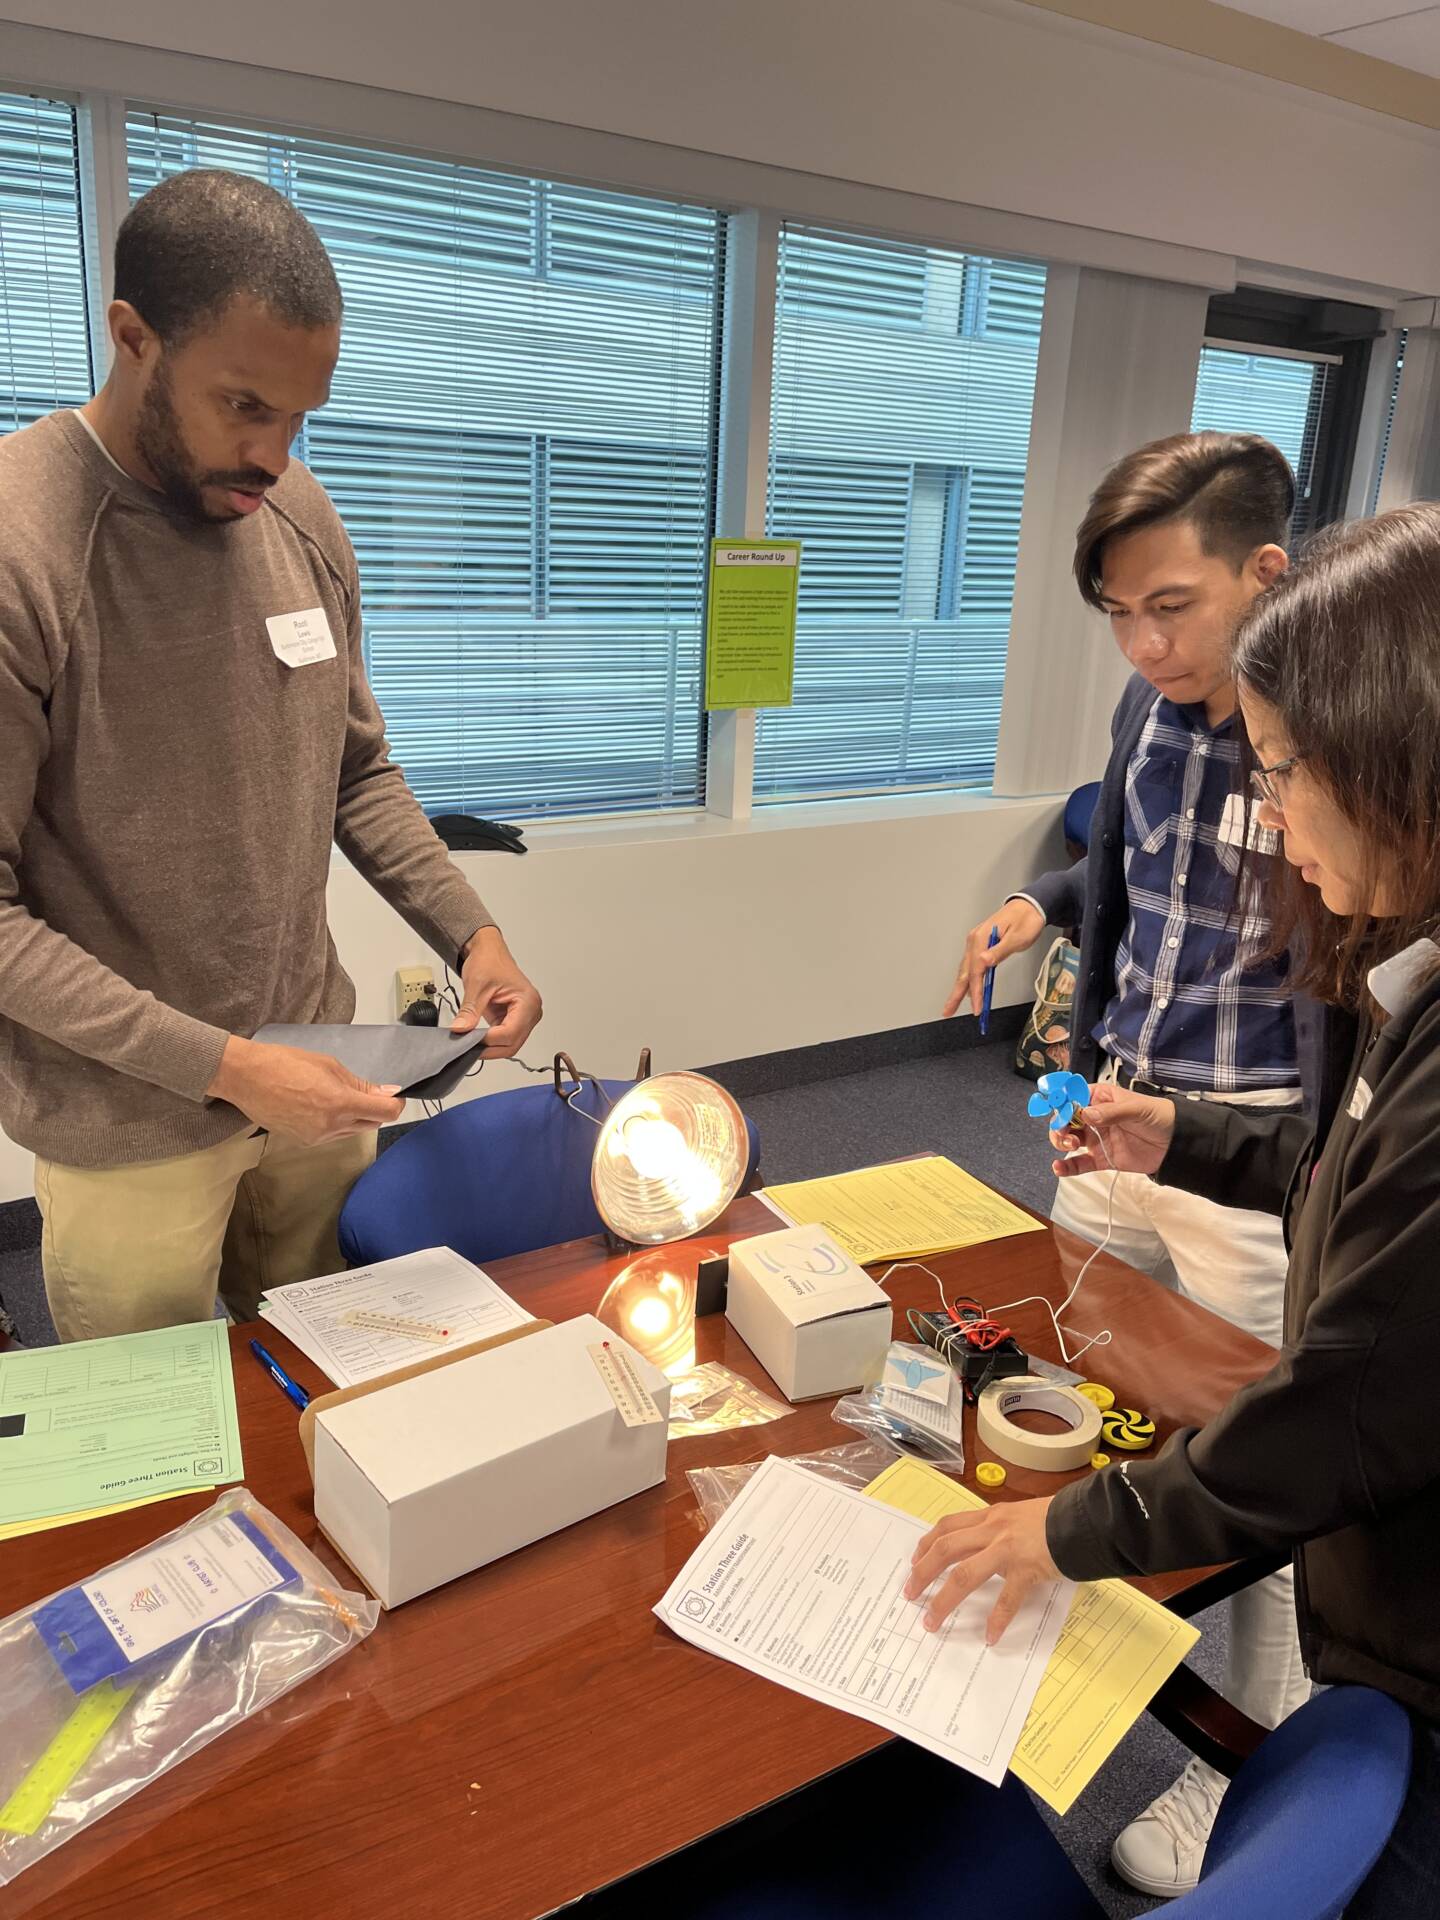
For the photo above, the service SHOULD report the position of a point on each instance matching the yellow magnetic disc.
(1128, 1429)
(1103, 1397)
(990, 1474)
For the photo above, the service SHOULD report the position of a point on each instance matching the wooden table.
(502, 1746)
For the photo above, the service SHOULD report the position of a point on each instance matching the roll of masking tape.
(1046, 1452)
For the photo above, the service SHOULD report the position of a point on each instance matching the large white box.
(816, 1322)
(427, 1479)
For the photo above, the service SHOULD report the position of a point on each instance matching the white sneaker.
(1161, 1851)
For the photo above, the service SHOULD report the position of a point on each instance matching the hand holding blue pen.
(290, 1388)
(988, 993)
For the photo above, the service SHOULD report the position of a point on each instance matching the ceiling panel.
(1412, 41)
(1327, 16)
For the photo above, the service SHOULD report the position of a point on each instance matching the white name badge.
(300, 639)
(1232, 828)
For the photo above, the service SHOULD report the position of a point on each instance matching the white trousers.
(1233, 1262)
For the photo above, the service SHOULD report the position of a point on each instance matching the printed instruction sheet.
(437, 1286)
(104, 1423)
(802, 1581)
(1115, 1649)
(907, 1210)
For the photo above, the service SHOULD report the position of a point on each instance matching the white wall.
(715, 940)
(17, 1171)
(1116, 369)
(992, 104)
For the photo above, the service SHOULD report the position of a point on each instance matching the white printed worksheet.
(802, 1581)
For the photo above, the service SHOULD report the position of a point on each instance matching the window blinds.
(44, 342)
(520, 442)
(1237, 391)
(903, 386)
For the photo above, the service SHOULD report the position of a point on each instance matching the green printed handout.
(750, 631)
(98, 1423)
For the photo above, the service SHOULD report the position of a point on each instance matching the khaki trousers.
(126, 1248)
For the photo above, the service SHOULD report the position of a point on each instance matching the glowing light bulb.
(657, 1148)
(652, 1305)
(652, 1316)
(670, 1158)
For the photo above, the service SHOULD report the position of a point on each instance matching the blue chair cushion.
(902, 1835)
(505, 1174)
(1080, 813)
(1309, 1813)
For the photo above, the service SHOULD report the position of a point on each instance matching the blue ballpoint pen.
(290, 1388)
(988, 991)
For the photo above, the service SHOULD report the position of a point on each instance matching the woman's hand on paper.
(1119, 1130)
(1006, 1540)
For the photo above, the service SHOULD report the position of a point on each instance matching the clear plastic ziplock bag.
(876, 1416)
(853, 1466)
(712, 1399)
(108, 1684)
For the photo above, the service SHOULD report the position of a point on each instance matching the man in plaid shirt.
(1179, 538)
(1183, 1014)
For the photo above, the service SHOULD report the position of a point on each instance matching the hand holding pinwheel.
(1059, 1095)
(1103, 1128)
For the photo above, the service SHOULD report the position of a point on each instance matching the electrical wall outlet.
(412, 984)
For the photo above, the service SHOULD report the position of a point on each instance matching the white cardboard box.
(816, 1322)
(432, 1477)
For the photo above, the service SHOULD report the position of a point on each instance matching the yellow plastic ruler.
(95, 1713)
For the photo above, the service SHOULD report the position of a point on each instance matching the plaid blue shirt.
(1185, 1013)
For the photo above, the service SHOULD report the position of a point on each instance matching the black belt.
(1124, 1077)
(1133, 1083)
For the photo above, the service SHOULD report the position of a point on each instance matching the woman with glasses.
(1335, 1454)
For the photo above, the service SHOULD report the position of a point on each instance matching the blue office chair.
(506, 1174)
(1079, 815)
(903, 1834)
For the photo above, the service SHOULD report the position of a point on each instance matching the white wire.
(574, 1093)
(1101, 1339)
(1104, 1337)
(920, 1267)
(571, 1098)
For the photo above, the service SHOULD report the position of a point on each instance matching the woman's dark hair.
(1346, 649)
(1235, 489)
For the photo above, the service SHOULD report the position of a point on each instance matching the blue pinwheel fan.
(1059, 1095)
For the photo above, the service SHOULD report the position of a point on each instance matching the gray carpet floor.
(970, 1105)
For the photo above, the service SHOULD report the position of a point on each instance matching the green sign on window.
(750, 630)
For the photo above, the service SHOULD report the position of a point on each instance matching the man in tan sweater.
(185, 727)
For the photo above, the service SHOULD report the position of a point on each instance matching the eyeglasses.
(1263, 780)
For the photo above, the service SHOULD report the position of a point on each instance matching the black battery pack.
(976, 1365)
